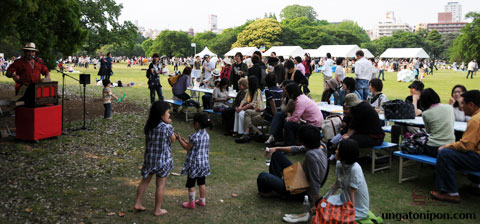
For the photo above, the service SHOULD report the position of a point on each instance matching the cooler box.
(38, 123)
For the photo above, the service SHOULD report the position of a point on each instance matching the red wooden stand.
(38, 123)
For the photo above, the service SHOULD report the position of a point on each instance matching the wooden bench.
(384, 145)
(179, 103)
(422, 159)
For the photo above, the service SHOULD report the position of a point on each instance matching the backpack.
(331, 126)
(414, 143)
(173, 79)
(399, 109)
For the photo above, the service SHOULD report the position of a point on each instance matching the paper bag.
(295, 180)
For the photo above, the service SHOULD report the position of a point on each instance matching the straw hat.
(29, 47)
(352, 100)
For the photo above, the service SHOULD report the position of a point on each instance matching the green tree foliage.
(171, 43)
(295, 11)
(434, 43)
(147, 47)
(205, 39)
(397, 40)
(355, 29)
(466, 46)
(262, 32)
(53, 25)
(223, 42)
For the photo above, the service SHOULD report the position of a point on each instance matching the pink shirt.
(306, 109)
(301, 68)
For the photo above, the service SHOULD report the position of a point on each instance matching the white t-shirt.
(381, 65)
(363, 69)
(165, 71)
(327, 67)
(208, 74)
(340, 72)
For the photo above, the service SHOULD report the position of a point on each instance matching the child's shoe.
(201, 203)
(189, 204)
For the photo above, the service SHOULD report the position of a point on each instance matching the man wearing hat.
(208, 67)
(27, 69)
(365, 126)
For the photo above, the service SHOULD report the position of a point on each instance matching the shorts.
(191, 181)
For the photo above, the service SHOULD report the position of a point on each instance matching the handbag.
(331, 126)
(414, 143)
(329, 213)
(295, 179)
(398, 109)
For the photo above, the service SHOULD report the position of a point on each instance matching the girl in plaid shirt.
(196, 162)
(158, 159)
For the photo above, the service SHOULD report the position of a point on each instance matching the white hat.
(29, 47)
(215, 72)
(227, 61)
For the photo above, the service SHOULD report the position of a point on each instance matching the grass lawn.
(91, 176)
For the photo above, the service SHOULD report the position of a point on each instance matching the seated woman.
(439, 120)
(226, 69)
(376, 98)
(287, 107)
(294, 74)
(365, 126)
(331, 87)
(351, 179)
(182, 84)
(252, 102)
(229, 114)
(220, 96)
(455, 100)
(305, 109)
(315, 166)
(347, 88)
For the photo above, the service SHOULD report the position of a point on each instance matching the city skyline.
(183, 15)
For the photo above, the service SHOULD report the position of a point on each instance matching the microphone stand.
(63, 96)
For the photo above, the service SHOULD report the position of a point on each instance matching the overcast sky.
(181, 14)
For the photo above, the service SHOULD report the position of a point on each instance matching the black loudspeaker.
(84, 79)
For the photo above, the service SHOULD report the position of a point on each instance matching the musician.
(28, 68)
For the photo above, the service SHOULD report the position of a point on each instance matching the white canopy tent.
(367, 53)
(286, 51)
(313, 53)
(405, 53)
(347, 51)
(243, 50)
(204, 52)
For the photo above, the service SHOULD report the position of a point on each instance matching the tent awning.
(367, 53)
(347, 51)
(286, 51)
(204, 52)
(405, 53)
(314, 53)
(243, 50)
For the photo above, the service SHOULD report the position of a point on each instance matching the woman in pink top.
(305, 109)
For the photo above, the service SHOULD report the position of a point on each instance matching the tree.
(53, 25)
(354, 29)
(262, 32)
(171, 43)
(223, 42)
(295, 11)
(399, 39)
(466, 46)
(434, 43)
(147, 47)
(205, 39)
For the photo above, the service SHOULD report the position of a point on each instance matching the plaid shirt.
(196, 161)
(158, 158)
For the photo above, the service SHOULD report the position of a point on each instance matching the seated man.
(315, 166)
(461, 155)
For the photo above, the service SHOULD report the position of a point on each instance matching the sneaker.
(198, 202)
(189, 204)
(444, 197)
(270, 140)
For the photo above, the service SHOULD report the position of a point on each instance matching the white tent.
(286, 51)
(313, 53)
(204, 52)
(244, 50)
(405, 53)
(347, 51)
(367, 53)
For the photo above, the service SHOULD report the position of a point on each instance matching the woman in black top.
(294, 74)
(153, 76)
(239, 70)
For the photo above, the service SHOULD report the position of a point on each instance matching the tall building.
(212, 22)
(456, 9)
(445, 17)
(446, 23)
(191, 32)
(388, 27)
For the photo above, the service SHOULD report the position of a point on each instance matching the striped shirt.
(158, 158)
(196, 161)
(107, 95)
(275, 94)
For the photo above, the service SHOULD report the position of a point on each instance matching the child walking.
(107, 96)
(196, 162)
(158, 161)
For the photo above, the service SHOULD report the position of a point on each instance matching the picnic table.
(418, 121)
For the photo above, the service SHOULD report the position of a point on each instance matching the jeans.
(273, 180)
(291, 129)
(470, 72)
(157, 89)
(381, 72)
(448, 161)
(276, 127)
(108, 110)
(362, 88)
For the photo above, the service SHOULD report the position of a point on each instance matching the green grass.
(86, 177)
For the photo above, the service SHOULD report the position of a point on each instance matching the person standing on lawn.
(461, 155)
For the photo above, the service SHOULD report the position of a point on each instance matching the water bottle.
(306, 204)
(332, 99)
(269, 157)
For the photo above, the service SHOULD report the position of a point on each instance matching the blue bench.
(179, 103)
(422, 159)
(387, 146)
(212, 112)
(387, 129)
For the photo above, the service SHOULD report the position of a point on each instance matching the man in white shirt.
(363, 74)
(471, 68)
(327, 68)
(381, 69)
(208, 67)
